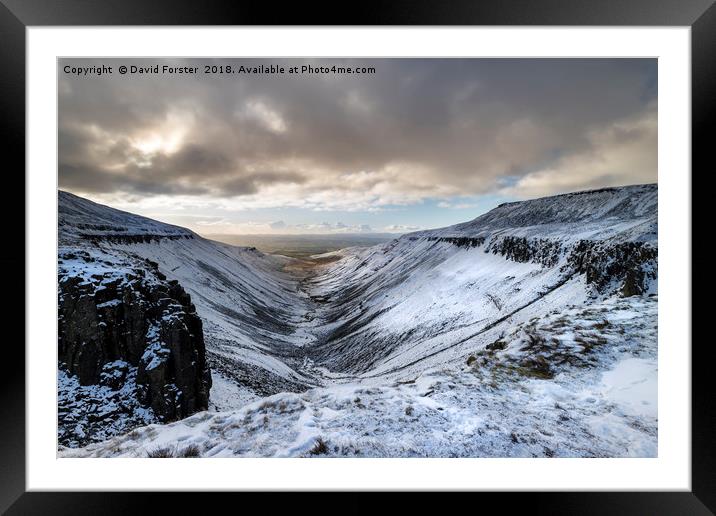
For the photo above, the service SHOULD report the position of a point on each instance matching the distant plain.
(304, 246)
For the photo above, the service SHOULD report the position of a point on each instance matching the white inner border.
(671, 470)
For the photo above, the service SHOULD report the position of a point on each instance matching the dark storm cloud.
(245, 184)
(413, 129)
(192, 158)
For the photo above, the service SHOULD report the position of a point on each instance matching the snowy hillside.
(429, 298)
(628, 211)
(248, 305)
(462, 341)
(80, 219)
(602, 404)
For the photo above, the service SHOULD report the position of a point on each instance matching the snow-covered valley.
(529, 331)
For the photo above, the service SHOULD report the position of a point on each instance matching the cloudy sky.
(420, 143)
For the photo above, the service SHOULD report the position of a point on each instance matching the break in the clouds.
(417, 137)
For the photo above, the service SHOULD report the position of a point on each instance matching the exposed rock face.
(519, 249)
(119, 320)
(131, 239)
(466, 242)
(627, 267)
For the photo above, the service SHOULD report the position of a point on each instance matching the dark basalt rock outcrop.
(144, 238)
(139, 319)
(626, 266)
(519, 249)
(466, 242)
(623, 267)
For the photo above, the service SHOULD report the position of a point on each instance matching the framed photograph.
(430, 248)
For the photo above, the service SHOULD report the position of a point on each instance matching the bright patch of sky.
(217, 220)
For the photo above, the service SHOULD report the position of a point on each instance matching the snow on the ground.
(381, 338)
(600, 402)
(225, 394)
(112, 411)
(633, 385)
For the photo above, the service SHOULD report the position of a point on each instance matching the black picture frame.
(17, 15)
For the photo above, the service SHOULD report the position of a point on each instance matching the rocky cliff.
(129, 339)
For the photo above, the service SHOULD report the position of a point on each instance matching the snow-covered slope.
(540, 304)
(250, 307)
(626, 213)
(429, 298)
(81, 219)
(601, 402)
